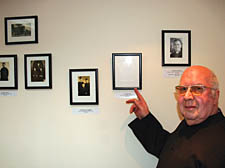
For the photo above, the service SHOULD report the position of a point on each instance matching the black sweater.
(197, 146)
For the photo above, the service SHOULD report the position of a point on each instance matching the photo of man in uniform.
(38, 71)
(84, 86)
(4, 72)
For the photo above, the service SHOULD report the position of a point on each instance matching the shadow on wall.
(178, 109)
(135, 149)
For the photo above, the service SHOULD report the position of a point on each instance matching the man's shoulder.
(221, 124)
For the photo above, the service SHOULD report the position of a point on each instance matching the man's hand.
(139, 106)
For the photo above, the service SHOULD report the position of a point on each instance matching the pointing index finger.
(138, 94)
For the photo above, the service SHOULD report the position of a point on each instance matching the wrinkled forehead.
(177, 42)
(196, 76)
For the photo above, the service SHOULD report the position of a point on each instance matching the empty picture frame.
(8, 72)
(38, 71)
(21, 30)
(127, 71)
(83, 86)
(176, 47)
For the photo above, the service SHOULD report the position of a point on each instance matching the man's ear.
(216, 95)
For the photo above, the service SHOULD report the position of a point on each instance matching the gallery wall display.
(38, 71)
(8, 72)
(127, 71)
(83, 86)
(176, 47)
(21, 30)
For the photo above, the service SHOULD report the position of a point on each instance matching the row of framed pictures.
(83, 83)
(38, 75)
(37, 68)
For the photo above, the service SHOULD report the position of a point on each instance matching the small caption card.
(125, 95)
(172, 73)
(85, 110)
(8, 93)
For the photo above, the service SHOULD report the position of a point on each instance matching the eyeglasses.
(196, 90)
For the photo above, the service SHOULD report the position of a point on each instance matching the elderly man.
(199, 140)
(176, 48)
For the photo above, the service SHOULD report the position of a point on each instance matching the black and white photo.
(21, 30)
(8, 72)
(38, 71)
(176, 47)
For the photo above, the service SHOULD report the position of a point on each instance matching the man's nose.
(188, 95)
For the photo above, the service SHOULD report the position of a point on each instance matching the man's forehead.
(196, 75)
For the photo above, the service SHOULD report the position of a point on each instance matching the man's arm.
(150, 133)
(146, 127)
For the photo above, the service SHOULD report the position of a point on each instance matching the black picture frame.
(21, 30)
(8, 72)
(83, 85)
(176, 48)
(38, 71)
(127, 71)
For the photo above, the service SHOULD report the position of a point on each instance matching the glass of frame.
(83, 86)
(8, 72)
(21, 30)
(176, 47)
(38, 71)
(127, 71)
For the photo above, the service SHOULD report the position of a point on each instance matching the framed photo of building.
(127, 71)
(176, 47)
(38, 71)
(8, 72)
(21, 30)
(83, 86)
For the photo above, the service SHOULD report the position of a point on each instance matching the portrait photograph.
(38, 71)
(21, 30)
(176, 48)
(4, 71)
(8, 72)
(83, 86)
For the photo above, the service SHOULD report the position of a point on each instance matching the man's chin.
(189, 114)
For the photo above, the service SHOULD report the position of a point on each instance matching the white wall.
(37, 127)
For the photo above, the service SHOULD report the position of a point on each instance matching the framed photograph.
(21, 30)
(8, 72)
(176, 47)
(38, 71)
(83, 86)
(127, 71)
